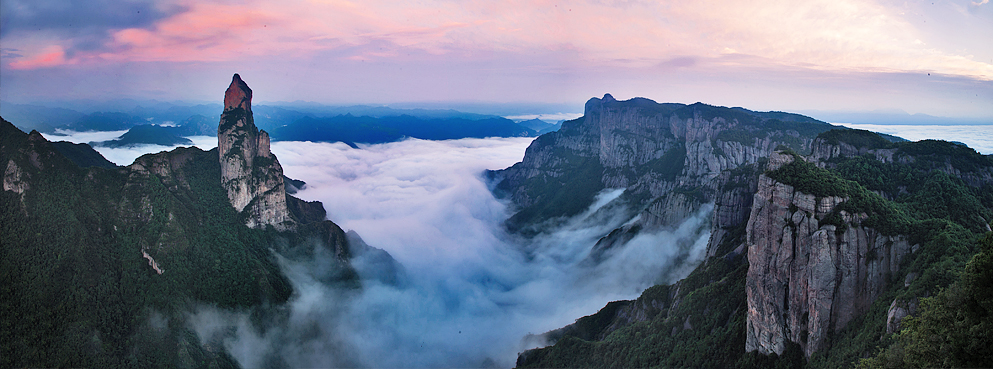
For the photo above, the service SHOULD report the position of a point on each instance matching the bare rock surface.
(250, 173)
(806, 278)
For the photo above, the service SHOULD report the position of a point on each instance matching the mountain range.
(828, 247)
(814, 259)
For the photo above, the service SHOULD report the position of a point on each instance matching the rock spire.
(250, 173)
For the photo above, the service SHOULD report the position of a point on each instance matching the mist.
(123, 155)
(471, 291)
(978, 137)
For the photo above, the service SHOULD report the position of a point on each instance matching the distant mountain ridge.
(351, 129)
(146, 135)
(351, 124)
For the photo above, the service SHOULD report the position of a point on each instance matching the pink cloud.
(51, 56)
(838, 35)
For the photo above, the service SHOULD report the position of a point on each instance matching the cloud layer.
(978, 137)
(472, 291)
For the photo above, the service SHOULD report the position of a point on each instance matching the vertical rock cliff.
(250, 173)
(809, 275)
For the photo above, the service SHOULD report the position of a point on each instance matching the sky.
(918, 57)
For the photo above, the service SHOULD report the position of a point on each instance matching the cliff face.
(825, 237)
(670, 158)
(250, 173)
(806, 277)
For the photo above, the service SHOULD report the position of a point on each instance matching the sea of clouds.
(470, 292)
(978, 137)
(473, 292)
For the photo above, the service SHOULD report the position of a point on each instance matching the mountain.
(195, 125)
(105, 121)
(535, 124)
(669, 157)
(812, 260)
(40, 118)
(111, 266)
(365, 129)
(82, 155)
(146, 134)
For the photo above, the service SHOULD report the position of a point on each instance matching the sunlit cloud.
(856, 35)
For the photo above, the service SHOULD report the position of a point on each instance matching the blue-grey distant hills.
(299, 122)
(540, 126)
(352, 129)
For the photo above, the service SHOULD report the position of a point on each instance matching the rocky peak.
(238, 95)
(250, 173)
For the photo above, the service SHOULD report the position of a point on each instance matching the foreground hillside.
(813, 260)
(105, 266)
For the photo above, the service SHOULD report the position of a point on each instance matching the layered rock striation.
(250, 173)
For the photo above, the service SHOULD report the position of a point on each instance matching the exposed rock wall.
(806, 278)
(250, 173)
(651, 149)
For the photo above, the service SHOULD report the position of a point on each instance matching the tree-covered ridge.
(83, 155)
(954, 328)
(698, 322)
(78, 246)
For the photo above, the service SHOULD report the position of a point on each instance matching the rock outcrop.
(806, 277)
(250, 173)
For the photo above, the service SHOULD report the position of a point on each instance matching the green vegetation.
(942, 213)
(703, 325)
(77, 288)
(856, 137)
(953, 329)
(562, 196)
(83, 155)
